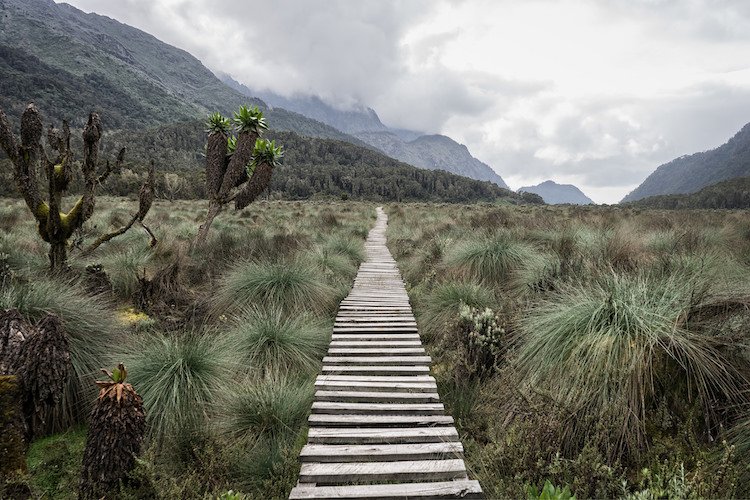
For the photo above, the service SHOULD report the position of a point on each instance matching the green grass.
(267, 341)
(608, 350)
(291, 285)
(55, 463)
(180, 377)
(274, 407)
(490, 259)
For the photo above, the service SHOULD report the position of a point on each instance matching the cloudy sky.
(591, 92)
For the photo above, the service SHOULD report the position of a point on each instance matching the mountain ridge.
(429, 151)
(691, 173)
(557, 194)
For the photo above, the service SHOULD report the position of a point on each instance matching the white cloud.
(592, 92)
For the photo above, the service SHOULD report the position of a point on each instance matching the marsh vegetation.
(603, 349)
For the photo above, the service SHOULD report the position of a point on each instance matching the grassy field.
(602, 349)
(223, 343)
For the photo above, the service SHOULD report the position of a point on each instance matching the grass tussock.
(292, 286)
(267, 341)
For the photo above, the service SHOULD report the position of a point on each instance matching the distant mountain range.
(434, 152)
(691, 173)
(557, 194)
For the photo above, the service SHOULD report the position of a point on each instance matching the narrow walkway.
(378, 428)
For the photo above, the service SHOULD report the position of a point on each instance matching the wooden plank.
(378, 378)
(467, 490)
(379, 420)
(374, 344)
(380, 452)
(354, 408)
(375, 370)
(375, 329)
(376, 396)
(375, 336)
(378, 351)
(377, 360)
(403, 387)
(411, 470)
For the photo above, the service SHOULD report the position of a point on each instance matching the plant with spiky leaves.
(29, 157)
(238, 167)
(116, 429)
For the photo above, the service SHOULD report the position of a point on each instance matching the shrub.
(291, 285)
(442, 305)
(491, 259)
(179, 377)
(269, 341)
(274, 407)
(606, 349)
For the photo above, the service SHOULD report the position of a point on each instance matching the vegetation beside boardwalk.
(601, 349)
(596, 351)
(222, 341)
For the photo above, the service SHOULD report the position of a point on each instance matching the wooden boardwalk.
(378, 428)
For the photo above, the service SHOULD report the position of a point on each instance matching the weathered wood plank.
(378, 351)
(317, 420)
(376, 396)
(467, 490)
(369, 435)
(380, 452)
(403, 387)
(378, 360)
(375, 370)
(412, 470)
(376, 409)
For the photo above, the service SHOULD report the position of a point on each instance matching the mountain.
(70, 62)
(434, 152)
(690, 173)
(425, 151)
(558, 194)
(730, 194)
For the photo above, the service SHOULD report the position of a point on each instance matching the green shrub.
(179, 377)
(268, 341)
(442, 305)
(293, 286)
(550, 492)
(605, 349)
(274, 408)
(490, 259)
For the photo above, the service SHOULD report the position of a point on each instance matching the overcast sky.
(596, 93)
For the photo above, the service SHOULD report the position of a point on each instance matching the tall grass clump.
(179, 377)
(441, 307)
(352, 249)
(490, 259)
(274, 407)
(609, 350)
(91, 326)
(291, 285)
(124, 267)
(268, 341)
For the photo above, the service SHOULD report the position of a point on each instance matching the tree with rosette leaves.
(238, 167)
(116, 428)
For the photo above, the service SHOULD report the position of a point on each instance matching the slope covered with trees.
(690, 173)
(731, 194)
(71, 63)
